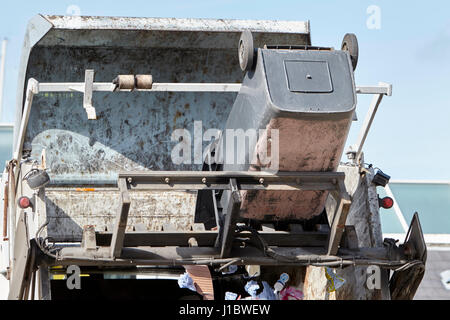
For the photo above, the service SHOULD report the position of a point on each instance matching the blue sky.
(411, 49)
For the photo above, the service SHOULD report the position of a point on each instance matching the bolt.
(204, 180)
(130, 180)
(261, 181)
(167, 180)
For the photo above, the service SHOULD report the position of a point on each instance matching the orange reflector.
(85, 189)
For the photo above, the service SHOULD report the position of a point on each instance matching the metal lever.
(88, 89)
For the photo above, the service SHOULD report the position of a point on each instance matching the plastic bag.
(267, 294)
(290, 293)
(186, 282)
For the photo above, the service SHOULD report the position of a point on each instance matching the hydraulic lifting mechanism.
(251, 213)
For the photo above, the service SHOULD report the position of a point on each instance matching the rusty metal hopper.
(133, 130)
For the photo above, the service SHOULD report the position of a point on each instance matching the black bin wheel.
(246, 51)
(350, 44)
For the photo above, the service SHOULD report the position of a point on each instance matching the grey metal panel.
(21, 258)
(36, 29)
(133, 130)
(172, 50)
(177, 24)
(163, 39)
(68, 210)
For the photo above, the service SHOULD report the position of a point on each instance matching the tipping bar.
(121, 220)
(232, 214)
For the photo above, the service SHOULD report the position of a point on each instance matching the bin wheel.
(350, 44)
(246, 51)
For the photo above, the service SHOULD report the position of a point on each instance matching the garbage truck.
(160, 158)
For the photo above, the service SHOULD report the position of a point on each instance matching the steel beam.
(32, 89)
(181, 87)
(20, 273)
(231, 215)
(170, 256)
(121, 220)
(88, 91)
(339, 218)
(207, 238)
(219, 180)
(382, 88)
(156, 87)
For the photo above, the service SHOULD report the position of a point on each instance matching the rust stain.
(300, 149)
(177, 116)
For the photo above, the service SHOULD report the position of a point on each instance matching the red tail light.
(24, 202)
(386, 203)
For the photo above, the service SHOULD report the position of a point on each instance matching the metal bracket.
(404, 283)
(232, 214)
(88, 90)
(234, 182)
(383, 89)
(121, 220)
(88, 241)
(339, 218)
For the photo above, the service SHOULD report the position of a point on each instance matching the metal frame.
(383, 89)
(121, 219)
(208, 180)
(335, 248)
(120, 248)
(89, 86)
(233, 181)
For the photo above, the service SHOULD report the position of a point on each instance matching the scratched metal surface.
(364, 215)
(69, 210)
(133, 130)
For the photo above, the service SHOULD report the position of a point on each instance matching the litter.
(253, 270)
(231, 269)
(291, 293)
(186, 282)
(334, 282)
(231, 296)
(281, 283)
(252, 288)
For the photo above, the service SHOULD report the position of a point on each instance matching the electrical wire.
(41, 242)
(334, 261)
